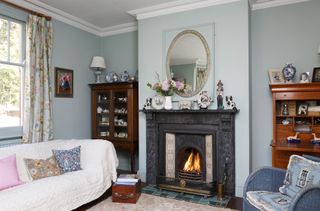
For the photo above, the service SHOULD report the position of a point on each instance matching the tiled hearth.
(210, 133)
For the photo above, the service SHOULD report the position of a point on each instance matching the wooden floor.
(234, 203)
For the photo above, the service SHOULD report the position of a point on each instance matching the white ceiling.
(107, 17)
(103, 13)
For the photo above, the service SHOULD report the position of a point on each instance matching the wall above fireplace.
(218, 124)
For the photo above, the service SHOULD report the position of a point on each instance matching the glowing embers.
(191, 167)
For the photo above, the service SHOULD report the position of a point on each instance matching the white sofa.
(67, 191)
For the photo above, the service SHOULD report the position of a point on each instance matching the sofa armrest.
(266, 178)
(307, 199)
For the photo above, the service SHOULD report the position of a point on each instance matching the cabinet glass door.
(103, 114)
(120, 114)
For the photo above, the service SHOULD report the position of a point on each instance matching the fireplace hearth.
(191, 151)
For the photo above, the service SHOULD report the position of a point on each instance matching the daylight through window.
(12, 57)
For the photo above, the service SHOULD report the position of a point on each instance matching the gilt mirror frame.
(207, 53)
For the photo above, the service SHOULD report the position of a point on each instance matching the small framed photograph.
(303, 109)
(304, 77)
(63, 82)
(275, 76)
(316, 74)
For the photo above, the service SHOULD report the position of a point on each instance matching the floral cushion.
(266, 200)
(68, 160)
(301, 172)
(39, 168)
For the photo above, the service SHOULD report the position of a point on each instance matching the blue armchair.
(270, 179)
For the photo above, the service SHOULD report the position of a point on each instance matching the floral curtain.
(37, 109)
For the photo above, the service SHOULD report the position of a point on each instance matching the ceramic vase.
(168, 103)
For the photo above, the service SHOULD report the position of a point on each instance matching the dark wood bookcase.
(114, 109)
(293, 96)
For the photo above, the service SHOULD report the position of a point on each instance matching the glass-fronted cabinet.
(115, 115)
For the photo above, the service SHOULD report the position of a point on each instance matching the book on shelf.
(133, 178)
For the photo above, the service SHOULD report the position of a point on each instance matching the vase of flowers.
(167, 88)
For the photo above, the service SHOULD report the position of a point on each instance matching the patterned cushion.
(266, 200)
(39, 168)
(301, 173)
(68, 160)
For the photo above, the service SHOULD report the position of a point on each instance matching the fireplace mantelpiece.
(220, 123)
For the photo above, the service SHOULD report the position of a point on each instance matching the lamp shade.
(98, 62)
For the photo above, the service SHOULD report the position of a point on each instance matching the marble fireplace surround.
(218, 123)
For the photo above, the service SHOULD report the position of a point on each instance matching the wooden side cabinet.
(293, 106)
(114, 109)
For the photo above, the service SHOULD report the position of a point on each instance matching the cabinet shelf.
(301, 147)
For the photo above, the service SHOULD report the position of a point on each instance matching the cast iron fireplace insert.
(211, 133)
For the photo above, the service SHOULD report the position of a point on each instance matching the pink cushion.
(8, 172)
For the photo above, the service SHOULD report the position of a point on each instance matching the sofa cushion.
(301, 172)
(39, 168)
(68, 160)
(8, 172)
(266, 200)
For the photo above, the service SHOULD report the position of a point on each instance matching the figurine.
(315, 139)
(147, 104)
(230, 103)
(285, 110)
(220, 95)
(294, 139)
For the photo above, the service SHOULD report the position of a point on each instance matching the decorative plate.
(109, 77)
(204, 100)
(158, 102)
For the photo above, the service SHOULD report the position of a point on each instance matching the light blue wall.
(121, 52)
(279, 35)
(231, 64)
(74, 49)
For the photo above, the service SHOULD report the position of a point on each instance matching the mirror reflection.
(188, 61)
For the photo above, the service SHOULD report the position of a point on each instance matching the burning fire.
(193, 163)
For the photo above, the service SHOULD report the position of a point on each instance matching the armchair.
(270, 179)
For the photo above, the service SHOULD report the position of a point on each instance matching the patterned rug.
(149, 202)
(212, 201)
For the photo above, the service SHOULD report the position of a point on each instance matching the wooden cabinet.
(289, 102)
(114, 108)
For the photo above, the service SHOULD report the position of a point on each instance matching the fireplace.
(191, 151)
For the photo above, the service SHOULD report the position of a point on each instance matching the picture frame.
(275, 76)
(303, 109)
(63, 82)
(304, 77)
(316, 74)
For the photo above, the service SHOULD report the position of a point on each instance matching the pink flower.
(179, 85)
(165, 86)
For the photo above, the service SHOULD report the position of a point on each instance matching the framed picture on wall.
(63, 82)
(316, 74)
(275, 76)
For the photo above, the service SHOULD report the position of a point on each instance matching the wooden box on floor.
(126, 193)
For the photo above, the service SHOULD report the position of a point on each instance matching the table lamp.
(98, 65)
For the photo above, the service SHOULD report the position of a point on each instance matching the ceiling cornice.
(264, 5)
(119, 29)
(174, 7)
(148, 12)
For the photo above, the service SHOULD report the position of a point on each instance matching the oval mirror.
(188, 61)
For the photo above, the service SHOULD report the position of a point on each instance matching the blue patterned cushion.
(68, 160)
(301, 172)
(266, 200)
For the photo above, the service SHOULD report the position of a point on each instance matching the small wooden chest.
(126, 193)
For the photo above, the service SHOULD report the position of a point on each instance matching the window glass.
(3, 40)
(12, 47)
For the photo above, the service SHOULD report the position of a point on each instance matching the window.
(12, 58)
